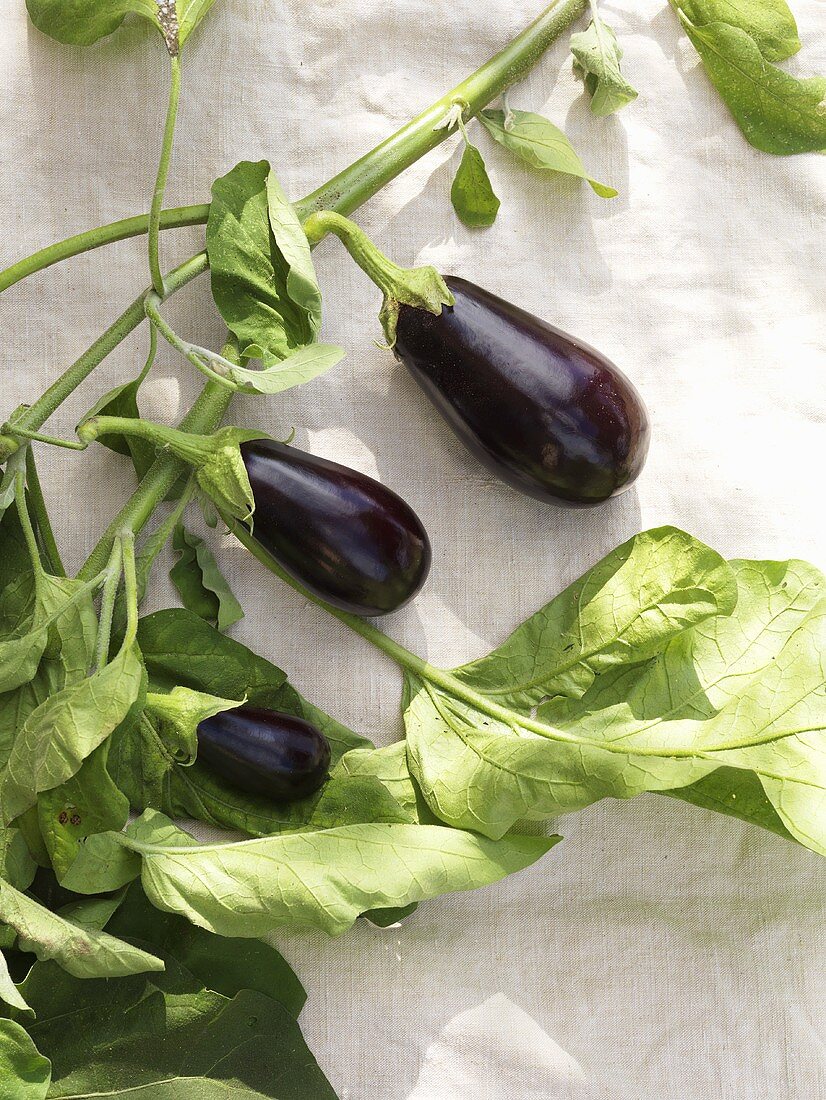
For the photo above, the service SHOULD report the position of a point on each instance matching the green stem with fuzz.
(107, 604)
(352, 187)
(199, 357)
(28, 530)
(41, 515)
(163, 173)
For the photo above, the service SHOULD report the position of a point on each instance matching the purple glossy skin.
(344, 536)
(265, 752)
(546, 413)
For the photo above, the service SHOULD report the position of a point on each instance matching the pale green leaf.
(9, 993)
(777, 112)
(324, 879)
(540, 144)
(624, 610)
(65, 728)
(742, 690)
(24, 1073)
(297, 368)
(472, 194)
(200, 582)
(598, 57)
(86, 953)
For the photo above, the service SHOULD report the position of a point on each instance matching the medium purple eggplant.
(265, 752)
(546, 413)
(344, 536)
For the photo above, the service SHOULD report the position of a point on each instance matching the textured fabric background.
(661, 952)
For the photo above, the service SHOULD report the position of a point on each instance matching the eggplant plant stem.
(362, 179)
(41, 516)
(163, 173)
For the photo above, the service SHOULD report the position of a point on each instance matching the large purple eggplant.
(547, 414)
(265, 752)
(344, 536)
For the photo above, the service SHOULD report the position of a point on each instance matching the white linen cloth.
(660, 952)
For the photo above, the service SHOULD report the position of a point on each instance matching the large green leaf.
(168, 1038)
(84, 952)
(742, 689)
(262, 276)
(624, 610)
(14, 555)
(735, 793)
(224, 964)
(769, 22)
(324, 879)
(745, 692)
(777, 112)
(82, 22)
(24, 1073)
(60, 733)
(540, 144)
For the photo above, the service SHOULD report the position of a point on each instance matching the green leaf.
(32, 629)
(299, 367)
(200, 583)
(324, 879)
(472, 194)
(735, 793)
(16, 865)
(224, 964)
(82, 22)
(624, 610)
(9, 993)
(65, 728)
(776, 112)
(89, 802)
(540, 144)
(769, 22)
(745, 692)
(262, 276)
(86, 953)
(597, 59)
(741, 688)
(168, 1038)
(180, 648)
(24, 1073)
(66, 661)
(391, 768)
(14, 555)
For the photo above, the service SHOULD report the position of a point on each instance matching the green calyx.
(216, 459)
(418, 287)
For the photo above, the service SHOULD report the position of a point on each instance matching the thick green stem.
(163, 173)
(41, 515)
(38, 413)
(352, 187)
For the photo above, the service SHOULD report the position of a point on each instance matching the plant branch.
(38, 413)
(163, 173)
(352, 187)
